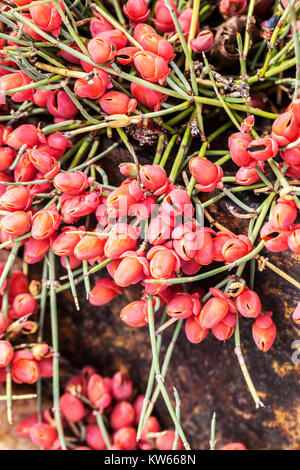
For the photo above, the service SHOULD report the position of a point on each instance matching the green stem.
(159, 377)
(165, 366)
(180, 154)
(177, 412)
(54, 331)
(297, 49)
(150, 384)
(243, 366)
(102, 427)
(212, 441)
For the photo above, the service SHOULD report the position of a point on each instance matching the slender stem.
(248, 23)
(102, 427)
(243, 366)
(212, 441)
(9, 263)
(150, 383)
(40, 332)
(159, 377)
(72, 284)
(297, 49)
(177, 412)
(165, 366)
(180, 154)
(54, 331)
(237, 201)
(4, 309)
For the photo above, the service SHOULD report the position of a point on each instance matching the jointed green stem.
(54, 331)
(159, 377)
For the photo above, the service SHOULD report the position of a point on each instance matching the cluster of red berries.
(27, 364)
(86, 394)
(151, 59)
(248, 153)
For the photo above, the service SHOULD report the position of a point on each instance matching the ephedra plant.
(147, 73)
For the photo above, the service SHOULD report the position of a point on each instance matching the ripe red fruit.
(194, 331)
(46, 368)
(246, 176)
(264, 332)
(3, 323)
(163, 262)
(24, 369)
(16, 223)
(121, 238)
(185, 19)
(7, 156)
(74, 207)
(203, 42)
(183, 305)
(151, 67)
(248, 304)
(35, 250)
(152, 42)
(163, 20)
(294, 239)
(44, 163)
(133, 314)
(47, 17)
(42, 434)
(60, 105)
(232, 7)
(166, 440)
(104, 291)
(263, 148)
(234, 446)
(238, 143)
(275, 240)
(150, 98)
(16, 80)
(24, 304)
(154, 178)
(285, 128)
(40, 98)
(24, 134)
(213, 311)
(122, 415)
(121, 386)
(207, 174)
(101, 50)
(6, 353)
(23, 427)
(99, 25)
(45, 222)
(236, 248)
(125, 438)
(284, 214)
(16, 198)
(89, 247)
(131, 269)
(92, 88)
(98, 392)
(137, 10)
(65, 242)
(225, 328)
(115, 102)
(72, 407)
